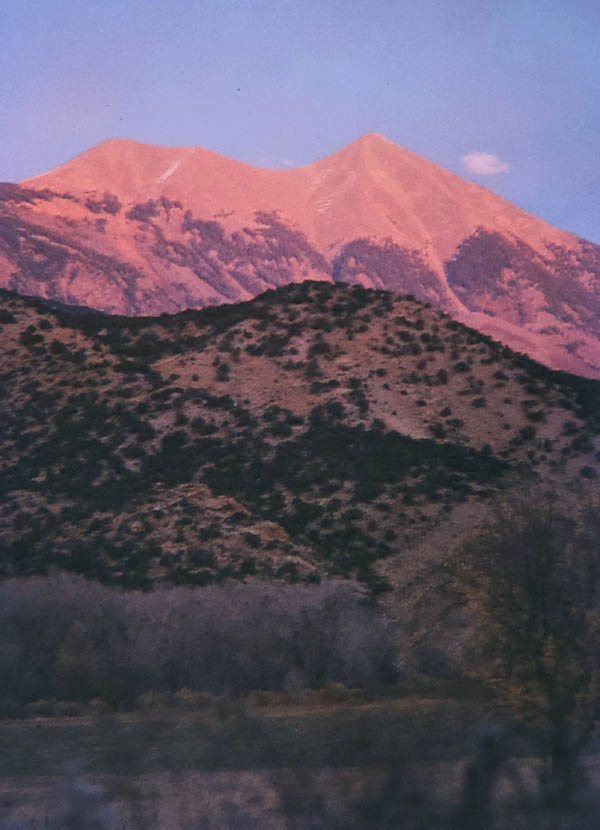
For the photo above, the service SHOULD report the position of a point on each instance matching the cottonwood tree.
(532, 582)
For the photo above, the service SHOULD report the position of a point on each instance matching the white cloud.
(286, 163)
(484, 164)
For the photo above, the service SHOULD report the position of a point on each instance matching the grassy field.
(235, 736)
(234, 765)
(237, 764)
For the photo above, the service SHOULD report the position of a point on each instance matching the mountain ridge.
(157, 164)
(138, 229)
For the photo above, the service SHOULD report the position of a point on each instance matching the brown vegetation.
(317, 430)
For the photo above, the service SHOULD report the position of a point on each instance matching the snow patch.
(323, 205)
(169, 171)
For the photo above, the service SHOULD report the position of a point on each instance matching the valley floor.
(248, 766)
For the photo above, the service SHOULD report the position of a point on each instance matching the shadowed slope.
(318, 429)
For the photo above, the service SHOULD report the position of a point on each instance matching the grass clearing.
(238, 737)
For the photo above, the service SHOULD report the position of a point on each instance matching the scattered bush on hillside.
(144, 211)
(12, 192)
(109, 203)
(7, 316)
(222, 373)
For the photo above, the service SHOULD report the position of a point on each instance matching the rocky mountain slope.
(318, 429)
(135, 229)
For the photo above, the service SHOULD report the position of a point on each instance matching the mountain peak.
(185, 223)
(373, 144)
(372, 139)
(117, 142)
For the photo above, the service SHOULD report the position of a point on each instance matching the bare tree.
(532, 582)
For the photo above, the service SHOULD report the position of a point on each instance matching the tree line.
(64, 637)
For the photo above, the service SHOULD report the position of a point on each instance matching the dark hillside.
(317, 430)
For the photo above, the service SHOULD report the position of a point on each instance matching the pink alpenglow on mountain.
(134, 229)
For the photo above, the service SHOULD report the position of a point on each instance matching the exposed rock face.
(135, 229)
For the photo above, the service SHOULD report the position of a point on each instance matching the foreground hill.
(134, 229)
(317, 429)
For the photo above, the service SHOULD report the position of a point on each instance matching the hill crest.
(317, 429)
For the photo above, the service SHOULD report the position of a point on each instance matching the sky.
(503, 92)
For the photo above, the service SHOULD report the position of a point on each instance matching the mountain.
(135, 229)
(316, 430)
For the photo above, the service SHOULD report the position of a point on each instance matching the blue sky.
(274, 83)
